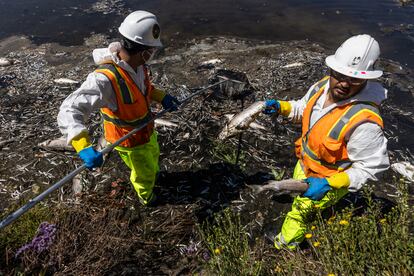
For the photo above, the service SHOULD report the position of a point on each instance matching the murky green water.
(328, 22)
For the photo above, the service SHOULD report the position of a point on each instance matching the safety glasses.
(340, 77)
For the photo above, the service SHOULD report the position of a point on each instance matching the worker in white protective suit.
(342, 145)
(120, 87)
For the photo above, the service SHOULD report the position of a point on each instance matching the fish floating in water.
(242, 120)
(288, 186)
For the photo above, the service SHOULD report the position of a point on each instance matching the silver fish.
(242, 120)
(56, 144)
(253, 125)
(165, 123)
(405, 169)
(77, 185)
(5, 62)
(287, 186)
(65, 81)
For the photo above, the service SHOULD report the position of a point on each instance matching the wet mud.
(199, 176)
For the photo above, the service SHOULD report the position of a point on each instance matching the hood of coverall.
(103, 55)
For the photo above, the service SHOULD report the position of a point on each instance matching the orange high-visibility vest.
(322, 148)
(133, 107)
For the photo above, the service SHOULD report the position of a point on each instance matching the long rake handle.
(32, 202)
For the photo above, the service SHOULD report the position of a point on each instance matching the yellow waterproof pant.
(143, 162)
(303, 210)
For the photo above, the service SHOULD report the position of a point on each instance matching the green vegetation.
(278, 174)
(228, 154)
(21, 231)
(371, 243)
(229, 248)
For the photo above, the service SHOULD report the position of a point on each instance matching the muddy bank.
(199, 175)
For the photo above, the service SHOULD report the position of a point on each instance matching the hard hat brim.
(350, 72)
(157, 43)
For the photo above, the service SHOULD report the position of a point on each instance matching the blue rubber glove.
(271, 107)
(91, 158)
(170, 102)
(318, 187)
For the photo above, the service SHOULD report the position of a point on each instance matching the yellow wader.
(303, 208)
(143, 162)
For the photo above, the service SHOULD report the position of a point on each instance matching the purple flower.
(190, 249)
(42, 241)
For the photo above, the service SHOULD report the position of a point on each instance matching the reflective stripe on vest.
(126, 93)
(322, 147)
(340, 126)
(318, 86)
(123, 123)
(340, 165)
(132, 107)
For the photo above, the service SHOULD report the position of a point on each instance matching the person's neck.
(329, 100)
(133, 60)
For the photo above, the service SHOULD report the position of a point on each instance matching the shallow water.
(327, 22)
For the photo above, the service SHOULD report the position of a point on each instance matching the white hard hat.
(141, 27)
(356, 57)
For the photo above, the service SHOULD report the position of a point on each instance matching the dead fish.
(102, 143)
(405, 169)
(5, 62)
(65, 81)
(165, 123)
(4, 143)
(287, 186)
(253, 125)
(295, 64)
(242, 120)
(56, 144)
(77, 185)
(209, 64)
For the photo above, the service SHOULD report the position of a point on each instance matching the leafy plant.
(21, 231)
(228, 154)
(370, 244)
(229, 248)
